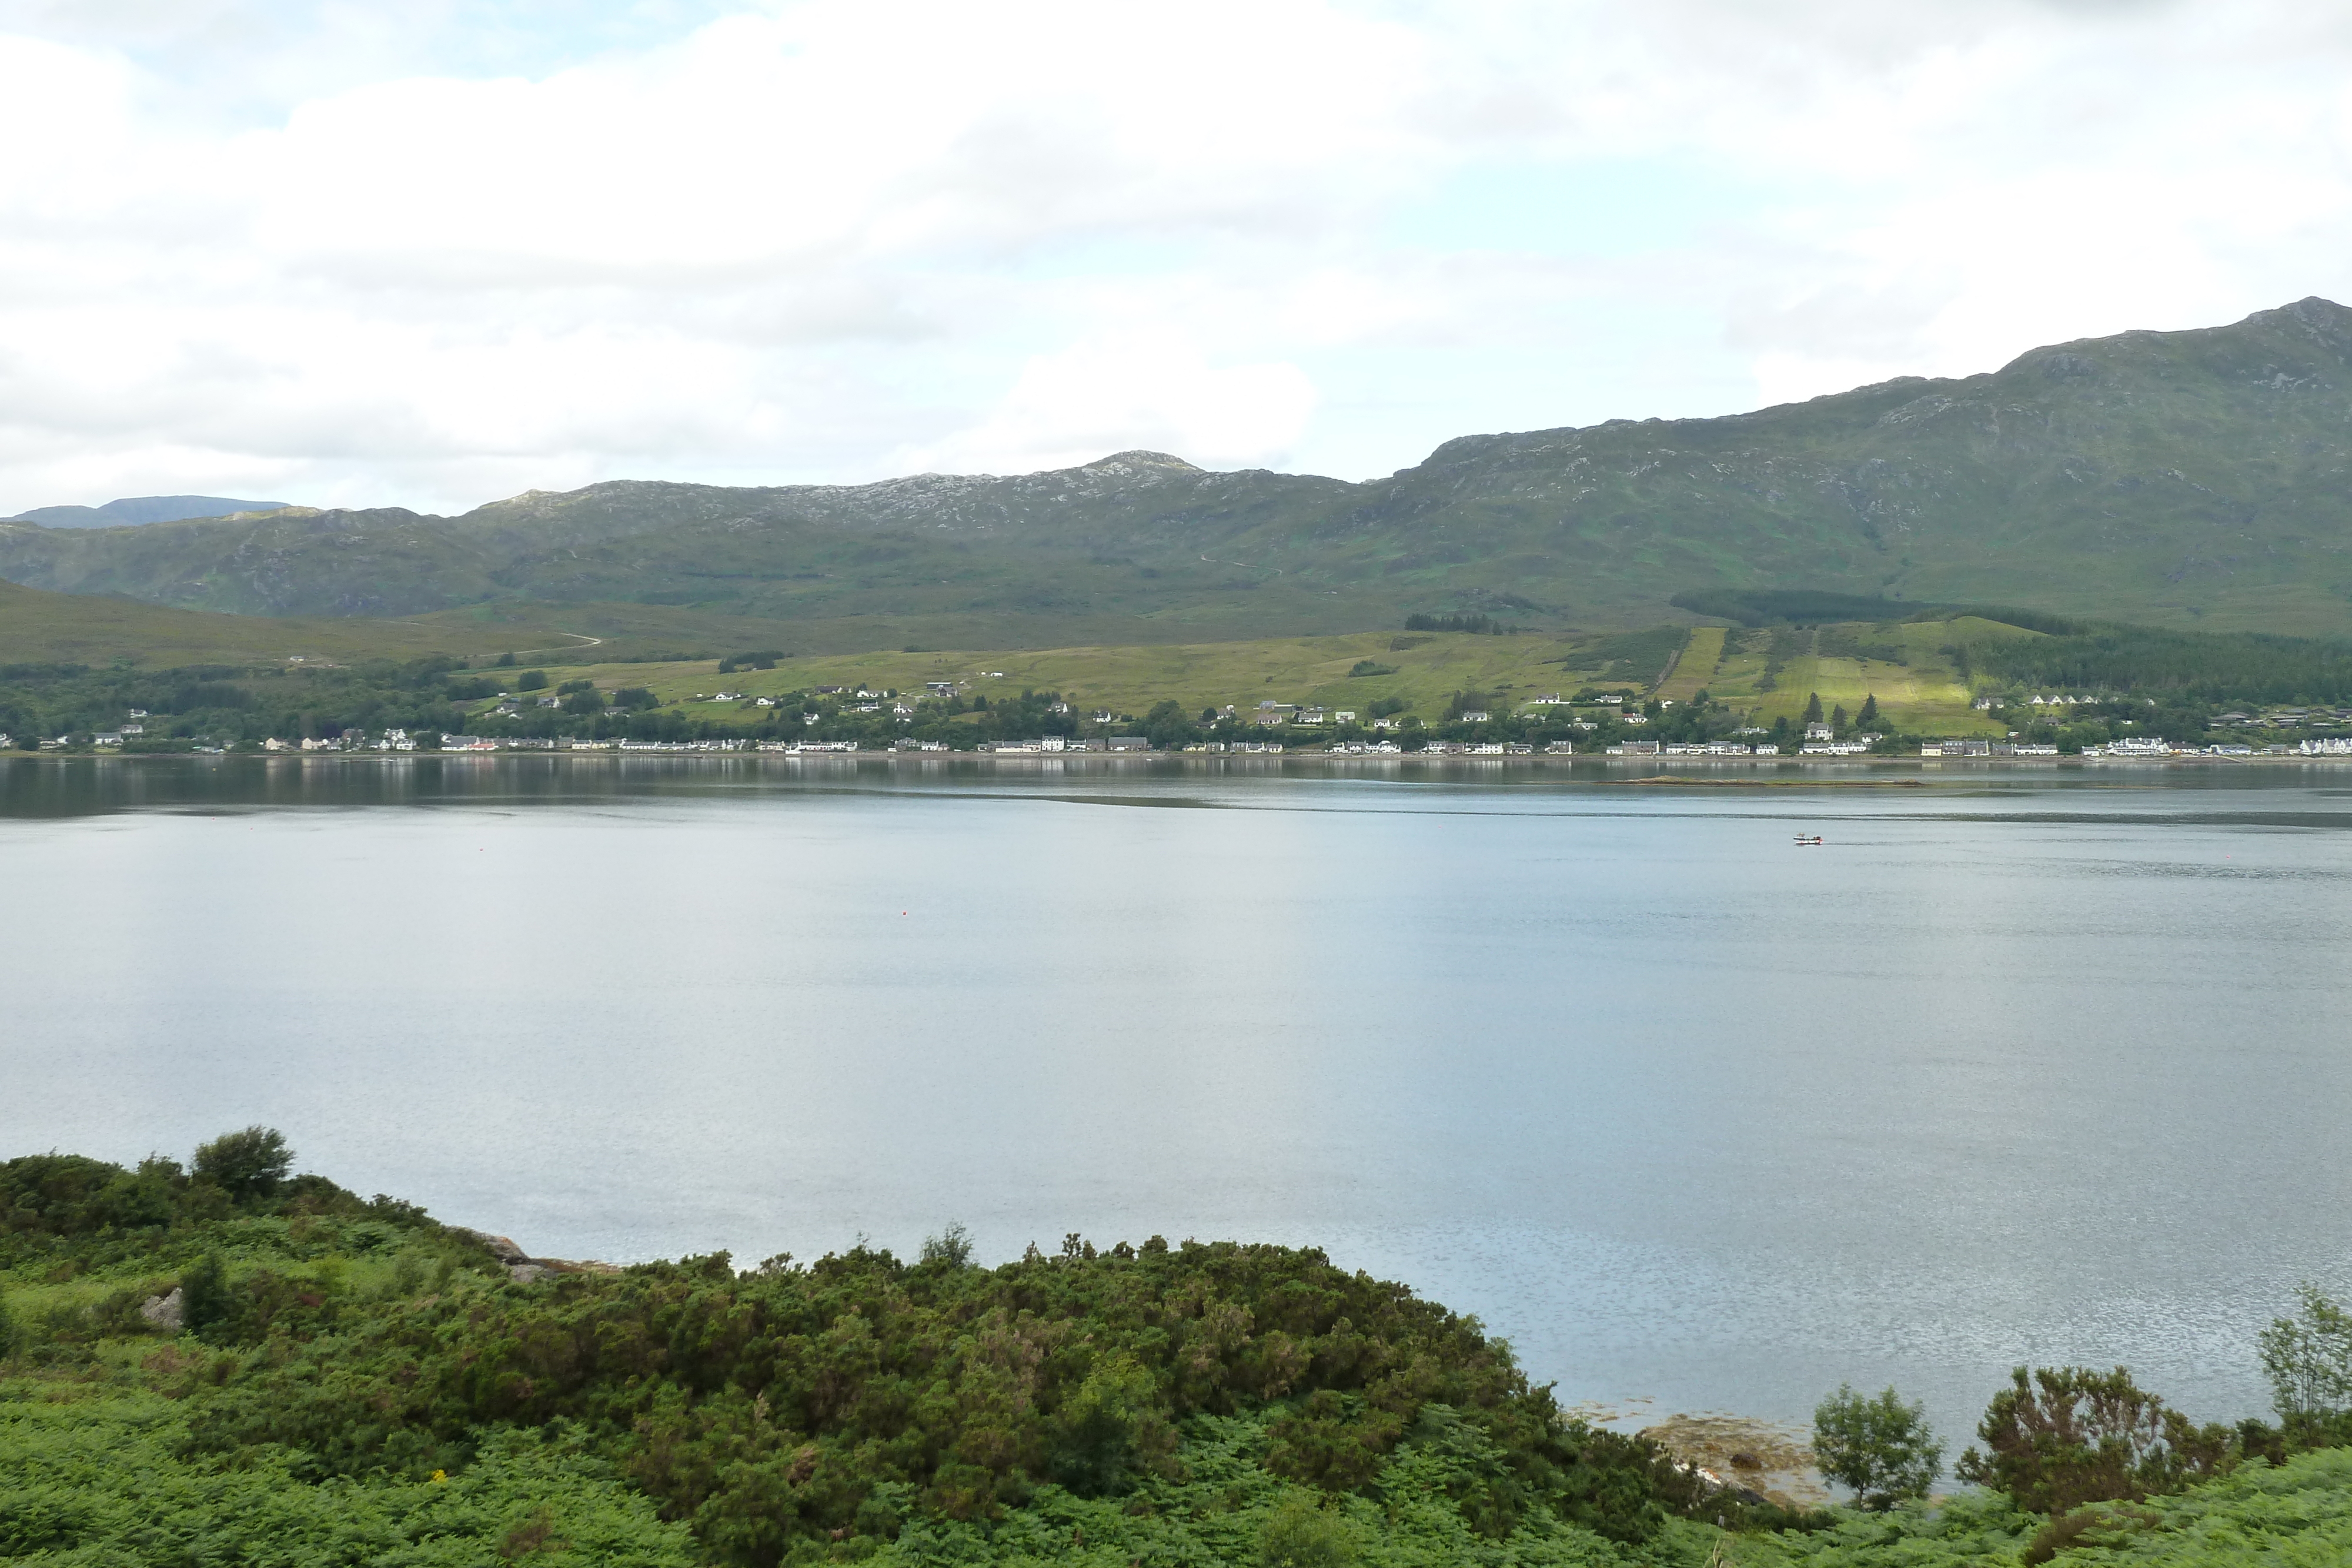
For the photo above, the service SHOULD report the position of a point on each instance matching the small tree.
(1869, 714)
(246, 1164)
(2308, 1359)
(1881, 1447)
(1813, 707)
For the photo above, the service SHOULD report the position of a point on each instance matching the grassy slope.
(1302, 670)
(38, 627)
(1925, 695)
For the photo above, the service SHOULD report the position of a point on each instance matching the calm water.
(2045, 1066)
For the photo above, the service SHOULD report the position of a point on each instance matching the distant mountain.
(2197, 478)
(141, 509)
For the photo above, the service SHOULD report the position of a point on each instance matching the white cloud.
(832, 239)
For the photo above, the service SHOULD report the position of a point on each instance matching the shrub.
(1109, 1430)
(2061, 1437)
(2085, 1527)
(1333, 1441)
(1300, 1533)
(203, 1294)
(1879, 1447)
(531, 681)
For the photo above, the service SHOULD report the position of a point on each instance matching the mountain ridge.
(2192, 477)
(132, 511)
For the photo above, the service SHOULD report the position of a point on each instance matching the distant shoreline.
(1915, 769)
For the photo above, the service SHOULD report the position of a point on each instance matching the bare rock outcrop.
(524, 1269)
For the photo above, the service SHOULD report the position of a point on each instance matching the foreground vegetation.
(228, 1364)
(356, 1383)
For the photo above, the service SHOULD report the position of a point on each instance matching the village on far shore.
(579, 717)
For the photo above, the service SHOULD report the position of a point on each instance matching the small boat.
(1814, 839)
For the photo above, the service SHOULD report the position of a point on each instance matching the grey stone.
(164, 1312)
(502, 1247)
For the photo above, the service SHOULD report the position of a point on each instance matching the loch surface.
(2029, 1066)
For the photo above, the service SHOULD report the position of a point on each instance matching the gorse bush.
(771, 1406)
(2059, 1438)
(203, 1294)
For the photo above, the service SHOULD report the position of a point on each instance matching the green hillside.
(2192, 478)
(38, 627)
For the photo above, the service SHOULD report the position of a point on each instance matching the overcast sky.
(361, 252)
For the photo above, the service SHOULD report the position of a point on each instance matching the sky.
(430, 253)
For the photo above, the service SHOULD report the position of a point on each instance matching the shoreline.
(1651, 769)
